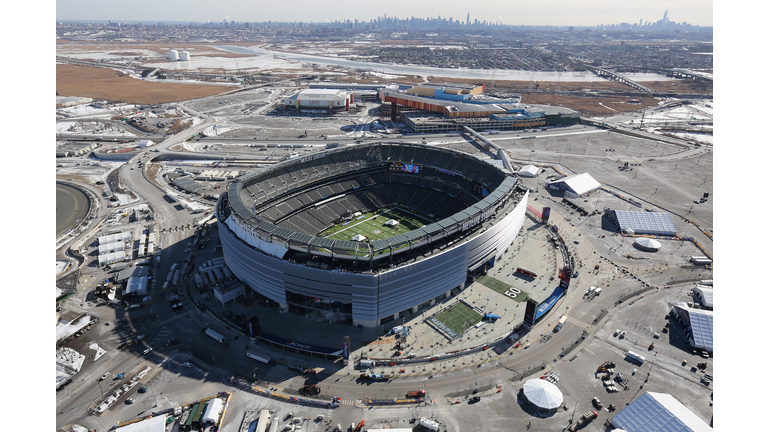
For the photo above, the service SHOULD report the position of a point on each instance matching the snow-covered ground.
(257, 62)
(91, 128)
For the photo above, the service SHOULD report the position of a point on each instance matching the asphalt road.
(71, 207)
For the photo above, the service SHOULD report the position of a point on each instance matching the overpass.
(500, 153)
(611, 75)
(682, 73)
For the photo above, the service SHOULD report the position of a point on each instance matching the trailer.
(429, 424)
(491, 317)
(261, 358)
(635, 358)
(368, 375)
(176, 275)
(416, 394)
(367, 363)
(219, 338)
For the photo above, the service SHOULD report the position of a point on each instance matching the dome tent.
(543, 394)
(647, 244)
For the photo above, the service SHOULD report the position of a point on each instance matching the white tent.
(658, 412)
(392, 223)
(212, 412)
(648, 244)
(543, 393)
(358, 238)
(528, 171)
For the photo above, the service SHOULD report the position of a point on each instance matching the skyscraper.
(467, 18)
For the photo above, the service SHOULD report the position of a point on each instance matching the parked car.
(103, 377)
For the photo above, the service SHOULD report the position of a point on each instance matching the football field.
(371, 225)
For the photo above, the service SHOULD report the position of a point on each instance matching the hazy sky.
(540, 12)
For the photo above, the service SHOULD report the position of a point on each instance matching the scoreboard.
(404, 167)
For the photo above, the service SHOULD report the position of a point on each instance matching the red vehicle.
(527, 272)
(416, 394)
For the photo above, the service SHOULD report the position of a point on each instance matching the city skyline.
(591, 13)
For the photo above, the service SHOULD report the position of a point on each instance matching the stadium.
(361, 234)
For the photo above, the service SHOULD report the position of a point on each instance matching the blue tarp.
(548, 303)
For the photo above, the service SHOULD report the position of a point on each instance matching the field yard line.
(412, 214)
(362, 221)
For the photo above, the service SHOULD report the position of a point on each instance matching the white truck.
(215, 335)
(366, 363)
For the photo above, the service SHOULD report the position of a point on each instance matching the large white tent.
(647, 244)
(576, 185)
(543, 394)
(358, 238)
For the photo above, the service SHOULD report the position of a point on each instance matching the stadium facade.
(271, 223)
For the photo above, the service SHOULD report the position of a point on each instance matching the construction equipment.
(309, 390)
(702, 366)
(360, 426)
(605, 366)
(583, 420)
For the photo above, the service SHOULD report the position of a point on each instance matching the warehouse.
(329, 99)
(575, 186)
(644, 223)
(653, 412)
(704, 296)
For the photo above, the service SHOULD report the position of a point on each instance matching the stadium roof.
(658, 412)
(580, 184)
(653, 223)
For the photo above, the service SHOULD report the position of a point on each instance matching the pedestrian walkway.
(347, 402)
(280, 376)
(577, 323)
(441, 401)
(162, 337)
(221, 371)
(174, 318)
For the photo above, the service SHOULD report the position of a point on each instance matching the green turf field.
(372, 225)
(502, 288)
(459, 317)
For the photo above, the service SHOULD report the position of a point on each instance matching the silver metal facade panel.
(373, 296)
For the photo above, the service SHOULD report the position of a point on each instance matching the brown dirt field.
(102, 83)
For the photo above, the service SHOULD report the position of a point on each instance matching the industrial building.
(326, 99)
(575, 186)
(360, 92)
(658, 412)
(704, 296)
(448, 91)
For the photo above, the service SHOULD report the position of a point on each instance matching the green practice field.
(459, 317)
(503, 288)
(372, 225)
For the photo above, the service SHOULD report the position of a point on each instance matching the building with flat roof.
(330, 99)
